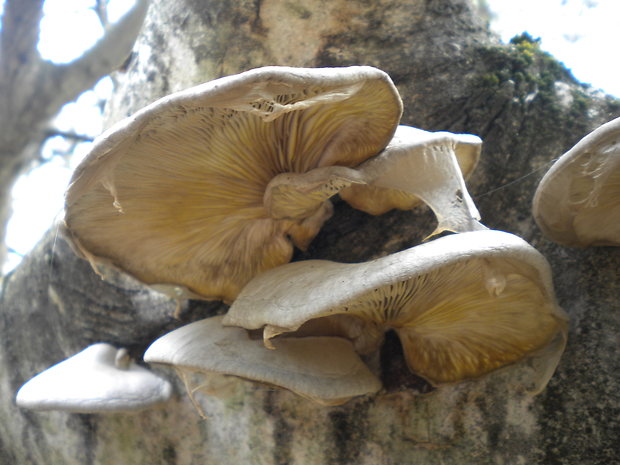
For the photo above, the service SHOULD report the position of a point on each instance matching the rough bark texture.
(453, 75)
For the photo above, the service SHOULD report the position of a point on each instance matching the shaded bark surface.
(453, 75)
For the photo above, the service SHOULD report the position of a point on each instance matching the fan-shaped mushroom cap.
(420, 166)
(174, 194)
(99, 379)
(324, 369)
(577, 202)
(463, 305)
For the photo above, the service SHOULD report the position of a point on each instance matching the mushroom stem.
(300, 195)
(122, 359)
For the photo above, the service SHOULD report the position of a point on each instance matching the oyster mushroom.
(99, 379)
(174, 194)
(463, 305)
(577, 202)
(417, 166)
(324, 369)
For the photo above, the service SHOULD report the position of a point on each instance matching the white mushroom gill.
(453, 328)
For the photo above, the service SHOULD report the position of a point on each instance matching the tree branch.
(20, 31)
(32, 90)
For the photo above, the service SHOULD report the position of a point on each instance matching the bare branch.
(20, 31)
(32, 90)
(101, 8)
(68, 135)
(66, 82)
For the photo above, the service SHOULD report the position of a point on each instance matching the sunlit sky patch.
(69, 27)
(580, 33)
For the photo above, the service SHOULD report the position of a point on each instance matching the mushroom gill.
(174, 195)
(463, 305)
(577, 202)
(454, 325)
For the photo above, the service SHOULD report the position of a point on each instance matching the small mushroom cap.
(174, 194)
(324, 369)
(99, 379)
(427, 163)
(415, 166)
(463, 305)
(577, 202)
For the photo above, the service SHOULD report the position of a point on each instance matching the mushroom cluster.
(204, 193)
(462, 305)
(174, 194)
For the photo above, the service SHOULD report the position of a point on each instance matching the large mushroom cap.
(463, 305)
(174, 194)
(324, 369)
(577, 202)
(98, 379)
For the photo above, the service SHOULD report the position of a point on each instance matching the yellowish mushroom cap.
(577, 202)
(463, 305)
(174, 194)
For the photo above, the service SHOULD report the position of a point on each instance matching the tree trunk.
(453, 75)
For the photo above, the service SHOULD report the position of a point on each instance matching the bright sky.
(580, 33)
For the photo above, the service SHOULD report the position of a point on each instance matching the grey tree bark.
(453, 75)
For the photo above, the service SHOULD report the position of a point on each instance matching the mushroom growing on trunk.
(99, 379)
(174, 194)
(417, 166)
(577, 202)
(324, 369)
(463, 305)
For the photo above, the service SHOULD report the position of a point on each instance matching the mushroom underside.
(179, 199)
(577, 203)
(492, 315)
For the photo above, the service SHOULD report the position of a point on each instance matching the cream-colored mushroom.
(422, 166)
(99, 379)
(324, 369)
(416, 166)
(577, 202)
(462, 305)
(174, 194)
